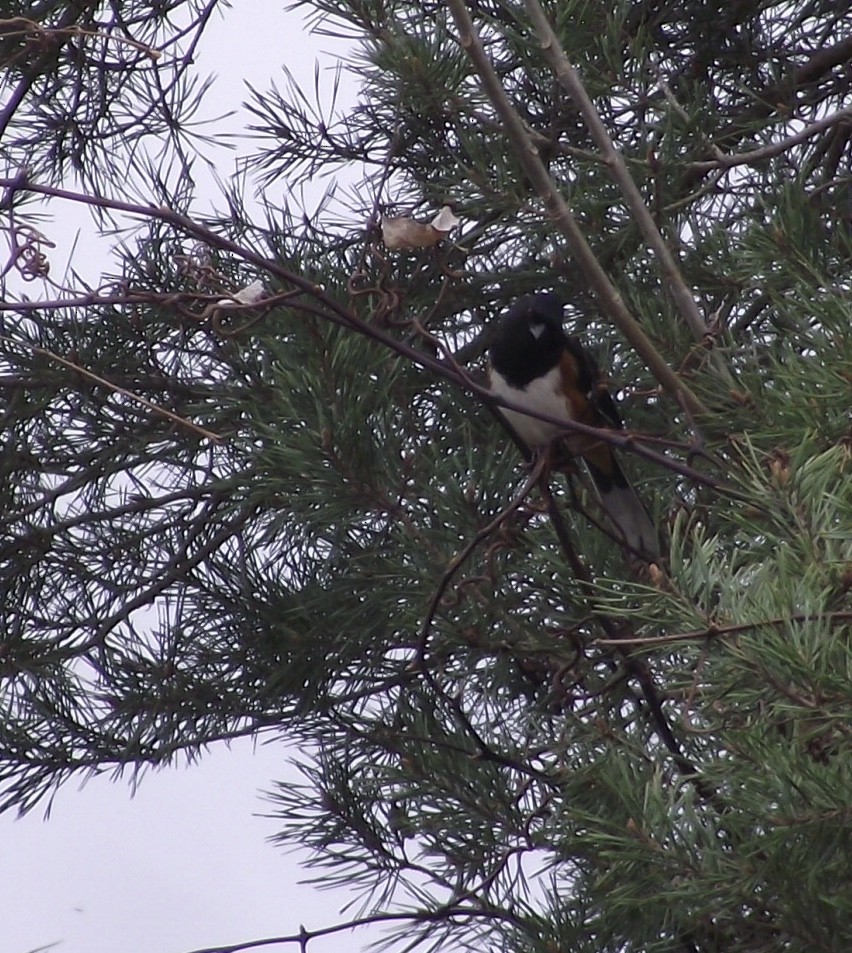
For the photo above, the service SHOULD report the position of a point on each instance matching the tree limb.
(528, 155)
(570, 81)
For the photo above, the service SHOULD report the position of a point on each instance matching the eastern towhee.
(534, 363)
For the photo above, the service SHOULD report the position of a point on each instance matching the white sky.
(183, 863)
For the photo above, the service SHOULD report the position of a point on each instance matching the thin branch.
(150, 405)
(777, 98)
(563, 217)
(303, 937)
(721, 631)
(35, 32)
(634, 667)
(460, 558)
(753, 156)
(570, 81)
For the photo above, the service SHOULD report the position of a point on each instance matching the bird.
(533, 363)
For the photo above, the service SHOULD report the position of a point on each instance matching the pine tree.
(254, 482)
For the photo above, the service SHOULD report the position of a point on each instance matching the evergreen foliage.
(299, 516)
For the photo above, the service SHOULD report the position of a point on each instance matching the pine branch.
(115, 388)
(570, 80)
(635, 668)
(304, 937)
(330, 309)
(563, 218)
(755, 156)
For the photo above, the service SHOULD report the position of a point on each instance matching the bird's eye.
(536, 330)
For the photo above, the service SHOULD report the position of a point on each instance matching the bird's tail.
(624, 507)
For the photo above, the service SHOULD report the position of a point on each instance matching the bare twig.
(635, 667)
(460, 558)
(777, 98)
(303, 937)
(753, 156)
(33, 31)
(722, 631)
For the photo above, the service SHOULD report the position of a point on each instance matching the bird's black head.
(529, 340)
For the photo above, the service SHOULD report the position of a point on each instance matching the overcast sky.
(184, 862)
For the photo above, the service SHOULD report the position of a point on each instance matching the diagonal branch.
(777, 98)
(118, 389)
(753, 156)
(535, 170)
(329, 309)
(570, 81)
(636, 668)
(460, 558)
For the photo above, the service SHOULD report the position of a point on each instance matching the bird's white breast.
(541, 396)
